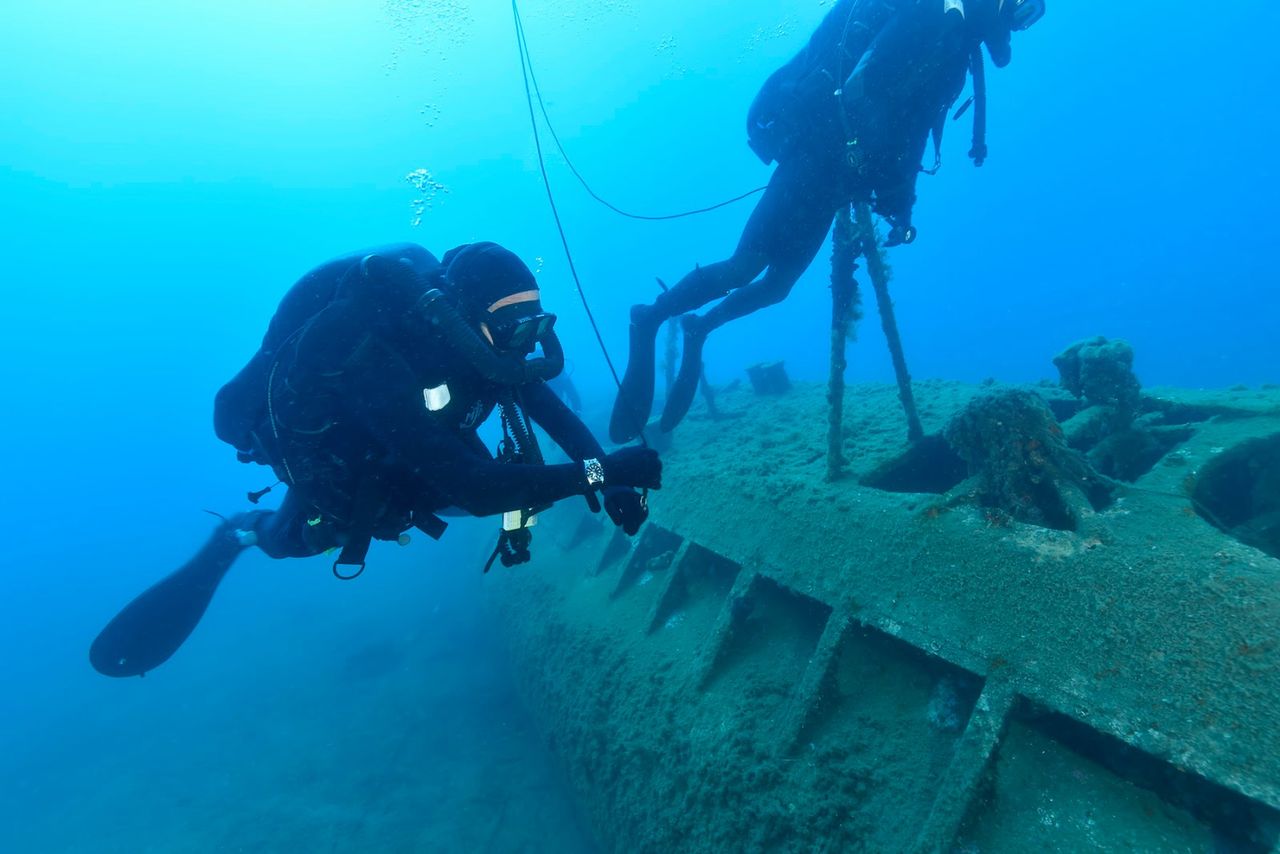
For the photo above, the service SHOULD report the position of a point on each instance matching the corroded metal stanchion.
(844, 312)
(878, 270)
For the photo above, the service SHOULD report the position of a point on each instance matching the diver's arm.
(905, 51)
(385, 399)
(483, 487)
(895, 191)
(564, 428)
(891, 44)
(623, 503)
(902, 88)
(625, 506)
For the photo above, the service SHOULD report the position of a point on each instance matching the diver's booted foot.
(635, 397)
(686, 385)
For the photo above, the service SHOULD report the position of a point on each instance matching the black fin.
(635, 397)
(686, 384)
(150, 629)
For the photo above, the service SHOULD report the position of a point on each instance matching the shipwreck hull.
(779, 663)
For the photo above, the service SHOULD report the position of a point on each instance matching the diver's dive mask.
(495, 317)
(524, 334)
(516, 322)
(1025, 14)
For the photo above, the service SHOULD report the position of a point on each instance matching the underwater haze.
(168, 170)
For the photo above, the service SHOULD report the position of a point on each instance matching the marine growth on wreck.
(1049, 624)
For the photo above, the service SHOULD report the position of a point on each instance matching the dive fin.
(151, 628)
(635, 396)
(685, 387)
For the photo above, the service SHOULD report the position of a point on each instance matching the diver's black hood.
(482, 275)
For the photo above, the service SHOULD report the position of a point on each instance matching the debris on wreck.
(1100, 372)
(1119, 438)
(1020, 463)
(769, 378)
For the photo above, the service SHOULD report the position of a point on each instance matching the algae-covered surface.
(783, 663)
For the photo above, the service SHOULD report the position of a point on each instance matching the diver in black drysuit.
(847, 120)
(364, 398)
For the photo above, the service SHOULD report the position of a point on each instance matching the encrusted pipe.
(878, 270)
(844, 312)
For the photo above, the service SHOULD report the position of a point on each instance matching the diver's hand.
(638, 467)
(626, 508)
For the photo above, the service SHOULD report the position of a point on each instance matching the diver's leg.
(772, 288)
(699, 287)
(635, 397)
(757, 249)
(792, 252)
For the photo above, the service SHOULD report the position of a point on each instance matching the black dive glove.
(637, 467)
(617, 476)
(626, 508)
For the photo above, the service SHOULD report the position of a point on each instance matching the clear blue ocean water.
(168, 169)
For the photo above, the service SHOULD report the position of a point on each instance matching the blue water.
(167, 170)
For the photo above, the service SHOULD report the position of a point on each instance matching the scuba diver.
(847, 120)
(364, 399)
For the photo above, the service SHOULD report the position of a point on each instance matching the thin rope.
(546, 182)
(526, 71)
(537, 91)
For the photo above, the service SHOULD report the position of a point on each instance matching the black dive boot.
(685, 387)
(635, 397)
(152, 627)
